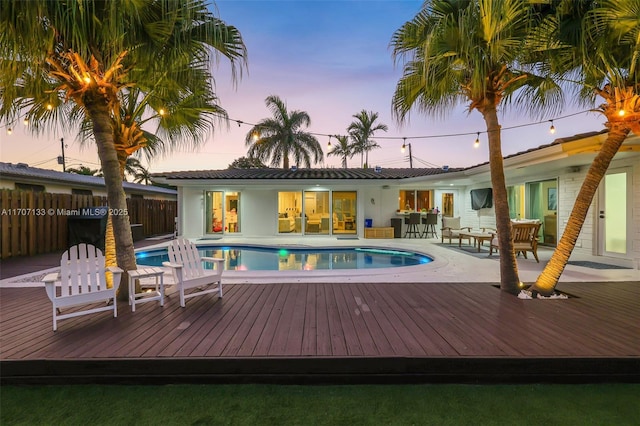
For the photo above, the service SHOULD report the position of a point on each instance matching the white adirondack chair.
(189, 273)
(82, 282)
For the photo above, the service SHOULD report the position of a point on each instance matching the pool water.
(249, 258)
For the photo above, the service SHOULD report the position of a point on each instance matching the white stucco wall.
(191, 208)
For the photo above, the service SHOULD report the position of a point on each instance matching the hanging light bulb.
(552, 129)
(329, 146)
(476, 144)
(49, 107)
(239, 122)
(621, 112)
(255, 136)
(404, 145)
(161, 111)
(9, 131)
(25, 121)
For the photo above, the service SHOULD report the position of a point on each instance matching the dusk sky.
(331, 59)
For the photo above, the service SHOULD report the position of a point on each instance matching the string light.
(433, 136)
(329, 146)
(256, 136)
(9, 130)
(476, 144)
(621, 112)
(404, 145)
(49, 107)
(26, 121)
(161, 111)
(552, 129)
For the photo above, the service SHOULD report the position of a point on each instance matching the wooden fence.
(36, 222)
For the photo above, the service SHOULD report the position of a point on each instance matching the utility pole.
(404, 145)
(61, 159)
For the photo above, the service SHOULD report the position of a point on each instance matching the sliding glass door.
(344, 212)
(542, 204)
(222, 212)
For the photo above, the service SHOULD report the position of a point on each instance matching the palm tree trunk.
(548, 279)
(98, 111)
(509, 280)
(110, 257)
(285, 162)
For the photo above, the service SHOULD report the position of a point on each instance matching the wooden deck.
(331, 332)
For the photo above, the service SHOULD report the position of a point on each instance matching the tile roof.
(22, 170)
(317, 174)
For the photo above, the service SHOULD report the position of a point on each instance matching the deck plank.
(334, 320)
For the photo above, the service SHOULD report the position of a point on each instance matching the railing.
(36, 222)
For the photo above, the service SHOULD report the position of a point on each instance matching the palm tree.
(142, 175)
(601, 41)
(342, 149)
(467, 52)
(282, 136)
(362, 130)
(71, 61)
(84, 170)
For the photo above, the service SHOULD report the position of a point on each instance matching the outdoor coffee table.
(146, 296)
(478, 238)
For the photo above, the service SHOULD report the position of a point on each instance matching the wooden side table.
(146, 272)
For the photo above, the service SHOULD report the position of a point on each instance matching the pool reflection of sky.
(280, 259)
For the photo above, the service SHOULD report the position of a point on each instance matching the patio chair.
(451, 229)
(188, 272)
(82, 281)
(525, 238)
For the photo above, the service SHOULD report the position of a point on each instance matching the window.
(30, 187)
(344, 212)
(289, 209)
(213, 212)
(424, 200)
(232, 212)
(222, 212)
(413, 200)
(316, 209)
(447, 204)
(75, 191)
(406, 200)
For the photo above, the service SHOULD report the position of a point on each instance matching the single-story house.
(22, 176)
(542, 184)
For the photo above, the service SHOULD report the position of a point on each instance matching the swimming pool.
(254, 258)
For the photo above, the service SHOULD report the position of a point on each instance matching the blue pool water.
(250, 258)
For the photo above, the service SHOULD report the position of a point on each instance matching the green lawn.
(608, 404)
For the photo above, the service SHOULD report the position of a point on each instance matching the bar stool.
(412, 223)
(430, 222)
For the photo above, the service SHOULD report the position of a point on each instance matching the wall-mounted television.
(481, 198)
